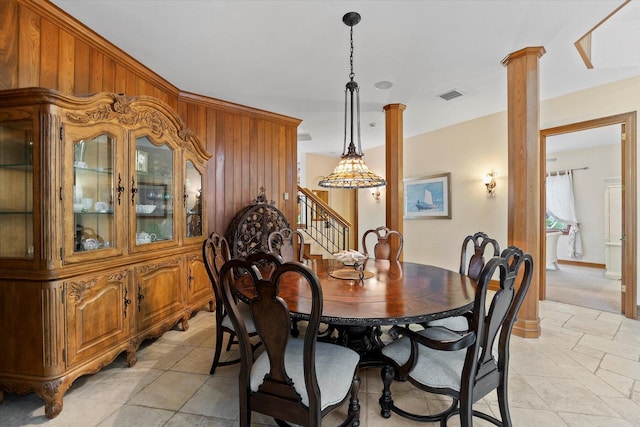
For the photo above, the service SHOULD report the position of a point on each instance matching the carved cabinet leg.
(52, 392)
(132, 358)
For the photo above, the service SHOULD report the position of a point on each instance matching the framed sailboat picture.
(428, 197)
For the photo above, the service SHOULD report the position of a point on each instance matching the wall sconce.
(490, 182)
(375, 193)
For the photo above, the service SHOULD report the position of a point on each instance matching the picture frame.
(428, 197)
(142, 161)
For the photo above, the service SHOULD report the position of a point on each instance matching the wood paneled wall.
(41, 46)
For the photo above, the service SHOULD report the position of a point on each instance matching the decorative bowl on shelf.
(145, 209)
(101, 206)
(77, 207)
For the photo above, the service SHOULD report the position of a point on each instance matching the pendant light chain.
(351, 74)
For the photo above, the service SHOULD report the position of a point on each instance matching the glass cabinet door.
(93, 193)
(16, 191)
(153, 192)
(192, 200)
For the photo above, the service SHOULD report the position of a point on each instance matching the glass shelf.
(93, 191)
(155, 196)
(192, 200)
(26, 167)
(16, 213)
(16, 192)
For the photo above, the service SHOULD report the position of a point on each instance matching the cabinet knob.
(127, 301)
(140, 296)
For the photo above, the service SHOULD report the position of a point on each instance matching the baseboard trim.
(581, 264)
(527, 328)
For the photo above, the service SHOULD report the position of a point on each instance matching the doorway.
(627, 129)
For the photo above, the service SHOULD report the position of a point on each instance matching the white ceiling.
(292, 57)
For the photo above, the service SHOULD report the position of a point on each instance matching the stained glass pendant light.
(352, 172)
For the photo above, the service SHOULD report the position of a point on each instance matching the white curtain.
(560, 203)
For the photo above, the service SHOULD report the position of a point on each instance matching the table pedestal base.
(364, 340)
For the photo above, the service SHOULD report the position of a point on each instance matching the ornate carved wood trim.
(136, 111)
(52, 317)
(79, 289)
(151, 267)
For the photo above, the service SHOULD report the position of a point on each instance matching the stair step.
(308, 254)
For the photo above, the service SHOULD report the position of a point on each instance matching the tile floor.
(583, 371)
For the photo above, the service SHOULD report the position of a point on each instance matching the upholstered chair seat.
(334, 380)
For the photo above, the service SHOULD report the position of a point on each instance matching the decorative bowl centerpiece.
(355, 263)
(350, 257)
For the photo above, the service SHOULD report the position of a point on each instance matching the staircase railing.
(324, 225)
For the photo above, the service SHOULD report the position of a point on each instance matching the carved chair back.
(383, 249)
(215, 252)
(268, 384)
(463, 365)
(478, 243)
(287, 243)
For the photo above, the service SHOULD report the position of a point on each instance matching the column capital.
(527, 51)
(400, 107)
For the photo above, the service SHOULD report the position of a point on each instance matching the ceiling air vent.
(448, 96)
(304, 137)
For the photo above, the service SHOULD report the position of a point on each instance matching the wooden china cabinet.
(101, 226)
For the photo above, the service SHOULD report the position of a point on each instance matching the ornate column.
(524, 218)
(394, 167)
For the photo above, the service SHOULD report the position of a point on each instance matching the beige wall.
(314, 168)
(469, 150)
(317, 167)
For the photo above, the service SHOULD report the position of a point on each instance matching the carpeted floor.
(584, 287)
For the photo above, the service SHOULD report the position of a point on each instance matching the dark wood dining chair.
(463, 365)
(287, 243)
(295, 380)
(215, 252)
(383, 249)
(475, 249)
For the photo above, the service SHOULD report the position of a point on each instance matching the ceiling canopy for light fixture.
(352, 172)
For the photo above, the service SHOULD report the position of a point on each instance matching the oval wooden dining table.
(390, 293)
